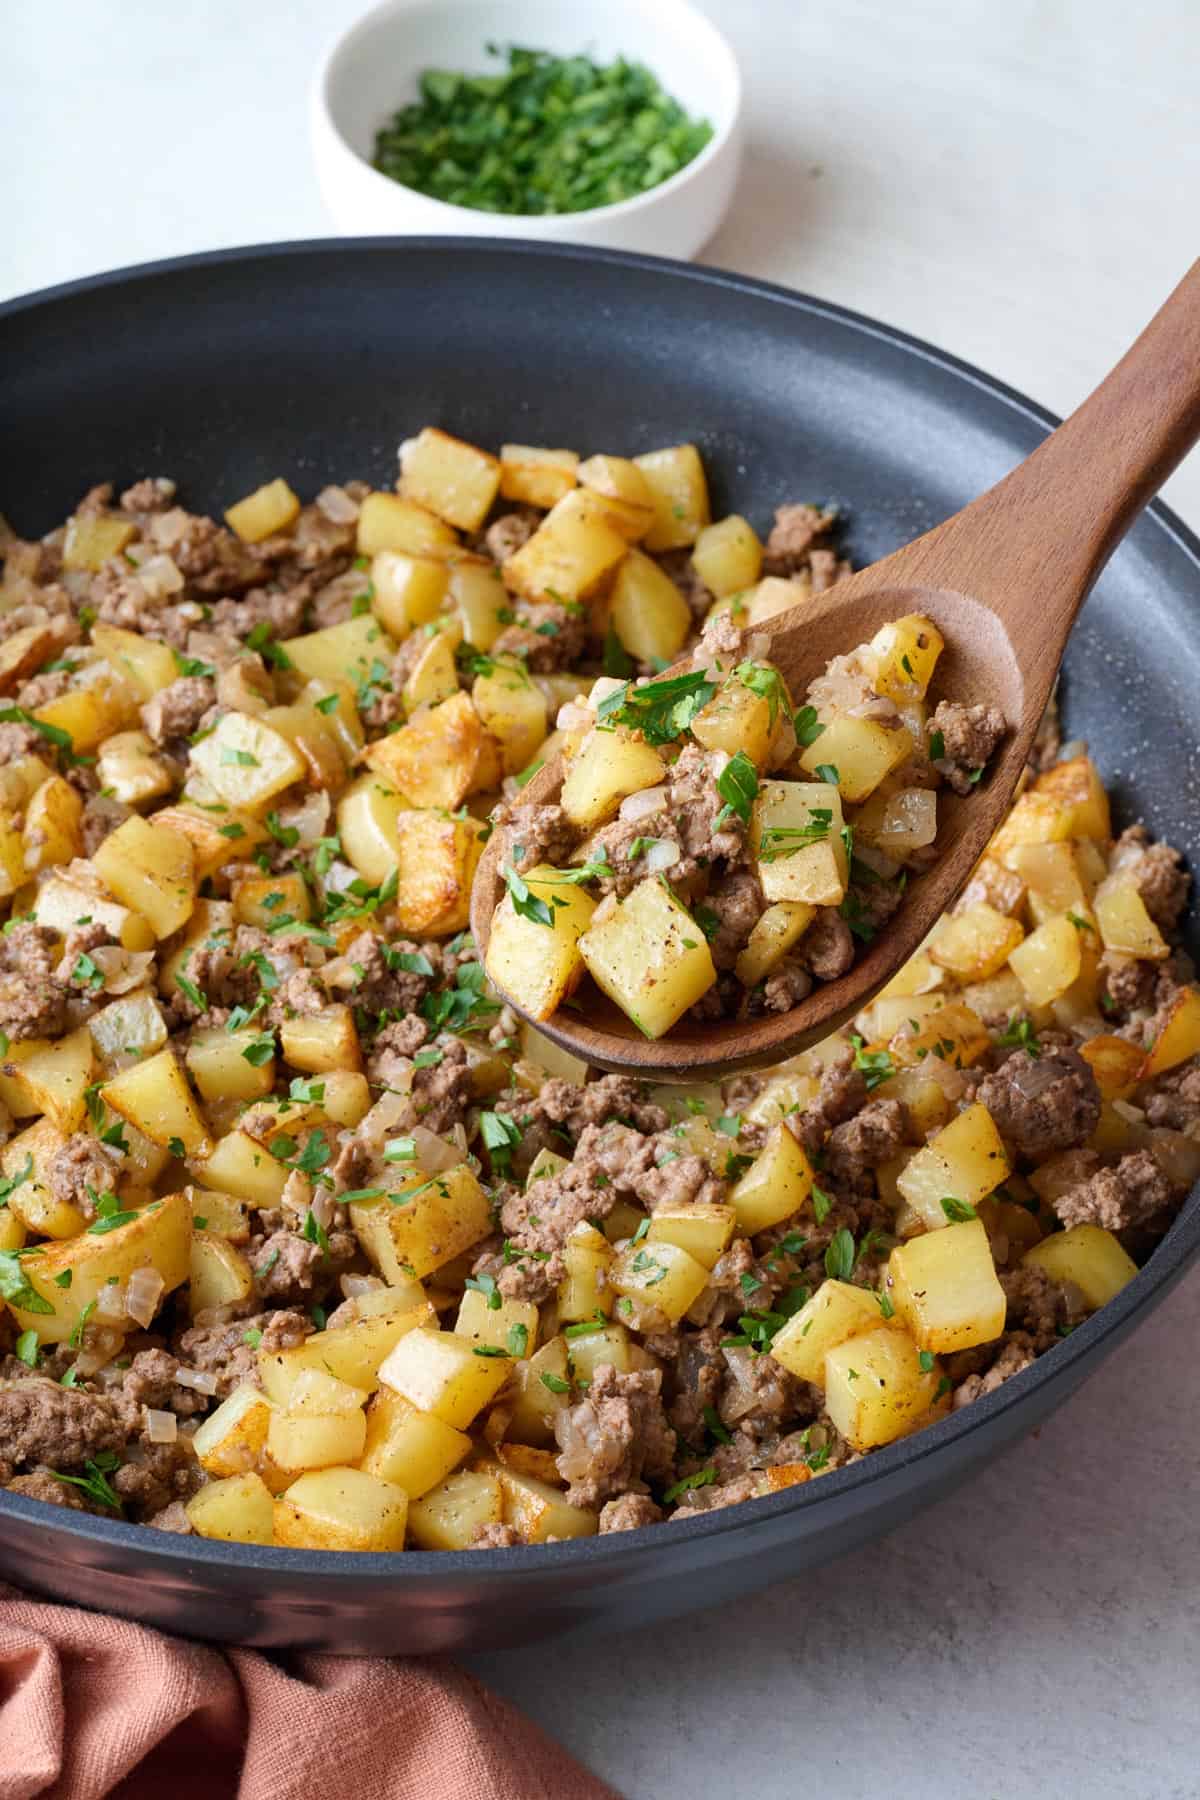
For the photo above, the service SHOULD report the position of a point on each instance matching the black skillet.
(313, 361)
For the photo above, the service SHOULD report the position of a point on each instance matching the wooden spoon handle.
(1033, 545)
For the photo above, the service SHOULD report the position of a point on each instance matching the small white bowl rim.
(616, 209)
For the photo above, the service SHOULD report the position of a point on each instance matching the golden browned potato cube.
(540, 964)
(131, 1026)
(573, 549)
(1052, 879)
(239, 1165)
(214, 836)
(945, 1288)
(584, 1290)
(509, 1325)
(247, 762)
(263, 900)
(704, 1231)
(660, 1274)
(154, 1096)
(432, 1221)
(223, 1214)
(90, 714)
(536, 1511)
(298, 1441)
(513, 710)
(975, 944)
(50, 1077)
(145, 663)
(965, 1161)
(451, 1515)
(51, 834)
(437, 858)
(12, 855)
(318, 1042)
(1048, 961)
(480, 601)
(954, 1031)
(351, 1353)
(606, 1344)
(903, 655)
(877, 1387)
(158, 1237)
(93, 538)
(408, 590)
(771, 937)
(25, 1166)
(366, 821)
(1125, 925)
(776, 1185)
(1078, 789)
(736, 718)
(649, 613)
(455, 480)
(728, 556)
(796, 833)
(20, 779)
(351, 651)
(442, 1373)
(231, 1439)
(318, 743)
(386, 522)
(680, 492)
(534, 476)
(609, 766)
(23, 653)
(131, 770)
(237, 1510)
(413, 1449)
(435, 759)
(617, 478)
(649, 955)
(1087, 1256)
(341, 1509)
(260, 515)
(150, 869)
(1176, 1035)
(220, 1274)
(433, 676)
(836, 1312)
(863, 754)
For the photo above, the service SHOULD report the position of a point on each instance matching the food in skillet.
(304, 1241)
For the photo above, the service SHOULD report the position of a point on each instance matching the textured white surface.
(1016, 182)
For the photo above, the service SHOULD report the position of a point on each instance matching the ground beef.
(737, 903)
(510, 532)
(541, 1217)
(629, 1512)
(1158, 873)
(693, 804)
(441, 1093)
(173, 1518)
(548, 636)
(32, 998)
(1128, 983)
(382, 987)
(1041, 1308)
(393, 1050)
(300, 995)
(1042, 1103)
(1174, 1098)
(101, 816)
(1017, 1354)
(153, 494)
(291, 1271)
(41, 1422)
(538, 834)
(42, 1486)
(786, 986)
(608, 1097)
(614, 1436)
(222, 968)
(842, 1093)
(494, 1537)
(212, 559)
(827, 947)
(41, 689)
(177, 710)
(155, 1476)
(857, 1147)
(151, 1380)
(281, 613)
(80, 1164)
(970, 734)
(222, 1350)
(16, 740)
(1134, 1193)
(798, 528)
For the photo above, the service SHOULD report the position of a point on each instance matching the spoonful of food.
(728, 861)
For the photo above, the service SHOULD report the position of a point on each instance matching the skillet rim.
(1088, 1343)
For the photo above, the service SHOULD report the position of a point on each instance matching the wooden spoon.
(1002, 580)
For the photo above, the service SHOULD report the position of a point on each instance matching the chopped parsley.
(840, 1255)
(486, 1285)
(807, 726)
(875, 1066)
(737, 785)
(526, 904)
(661, 710)
(958, 1211)
(94, 1480)
(702, 1478)
(1019, 1034)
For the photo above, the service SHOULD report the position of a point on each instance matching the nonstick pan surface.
(313, 361)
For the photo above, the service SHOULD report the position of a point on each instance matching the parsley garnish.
(760, 678)
(518, 1340)
(15, 1288)
(660, 710)
(193, 668)
(525, 904)
(1020, 1035)
(958, 1211)
(501, 1136)
(840, 1255)
(94, 1480)
(778, 841)
(937, 747)
(702, 1478)
(737, 785)
(875, 1066)
(807, 726)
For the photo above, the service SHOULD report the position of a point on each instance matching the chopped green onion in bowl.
(547, 134)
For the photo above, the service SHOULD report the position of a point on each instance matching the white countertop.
(1017, 183)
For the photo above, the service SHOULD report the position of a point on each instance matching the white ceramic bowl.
(372, 71)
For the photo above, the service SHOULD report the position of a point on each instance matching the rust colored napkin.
(92, 1706)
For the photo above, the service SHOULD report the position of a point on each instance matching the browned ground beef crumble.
(703, 1416)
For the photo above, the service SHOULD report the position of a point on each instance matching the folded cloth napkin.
(92, 1706)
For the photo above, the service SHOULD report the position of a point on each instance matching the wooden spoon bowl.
(1003, 581)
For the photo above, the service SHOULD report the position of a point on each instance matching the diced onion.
(1134, 1114)
(601, 688)
(433, 1152)
(159, 576)
(110, 1303)
(321, 1206)
(310, 817)
(662, 855)
(718, 762)
(337, 505)
(757, 646)
(161, 1427)
(143, 1292)
(354, 1285)
(909, 820)
(642, 804)
(123, 970)
(574, 715)
(200, 1380)
(883, 866)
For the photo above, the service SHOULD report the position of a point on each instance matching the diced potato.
(569, 555)
(239, 1165)
(341, 653)
(51, 834)
(1117, 1065)
(606, 1344)
(149, 868)
(776, 1185)
(231, 1439)
(649, 955)
(247, 762)
(215, 837)
(154, 1096)
(975, 944)
(144, 662)
(649, 613)
(609, 766)
(661, 1274)
(433, 677)
(413, 1449)
(1125, 925)
(263, 900)
(541, 1390)
(680, 493)
(158, 1237)
(513, 709)
(93, 538)
(1052, 877)
(317, 1393)
(796, 833)
(128, 1028)
(220, 1274)
(736, 718)
(12, 855)
(351, 1353)
(341, 1509)
(618, 478)
(862, 752)
(772, 935)
(585, 1290)
(450, 1516)
(238, 1510)
(366, 819)
(900, 822)
(781, 1095)
(61, 903)
(316, 1440)
(876, 1388)
(25, 1162)
(442, 1373)
(955, 1032)
(316, 740)
(318, 1042)
(387, 522)
(480, 600)
(261, 514)
(835, 1312)
(1177, 1035)
(23, 652)
(889, 1014)
(536, 1511)
(445, 1215)
(919, 975)
(965, 1161)
(484, 1322)
(904, 654)
(437, 858)
(1076, 787)
(89, 714)
(536, 477)
(1049, 960)
(131, 770)
(408, 590)
(51, 1078)
(455, 480)
(20, 779)
(1089, 1257)
(728, 556)
(704, 1231)
(224, 1214)
(539, 965)
(435, 760)
(945, 1288)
